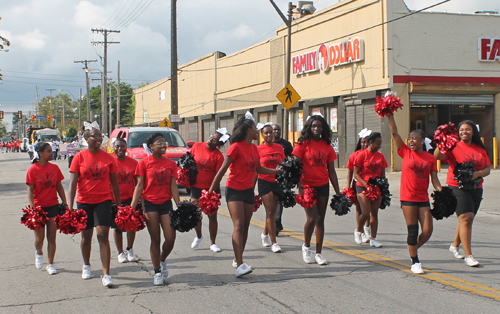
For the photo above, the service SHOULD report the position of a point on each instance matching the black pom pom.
(288, 198)
(340, 204)
(187, 162)
(185, 217)
(292, 171)
(445, 203)
(463, 174)
(62, 208)
(383, 185)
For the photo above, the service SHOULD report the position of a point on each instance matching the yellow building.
(342, 58)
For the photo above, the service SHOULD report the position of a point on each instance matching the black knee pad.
(412, 235)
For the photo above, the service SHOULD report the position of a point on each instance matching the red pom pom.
(258, 202)
(183, 177)
(350, 194)
(446, 137)
(71, 222)
(372, 192)
(128, 219)
(34, 218)
(387, 105)
(209, 203)
(308, 198)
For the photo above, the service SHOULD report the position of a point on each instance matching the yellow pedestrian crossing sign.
(166, 122)
(288, 96)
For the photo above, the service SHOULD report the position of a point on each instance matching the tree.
(3, 129)
(56, 112)
(71, 131)
(4, 42)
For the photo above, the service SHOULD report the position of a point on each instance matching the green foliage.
(71, 131)
(55, 110)
(3, 129)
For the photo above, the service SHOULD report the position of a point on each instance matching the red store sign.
(489, 49)
(326, 57)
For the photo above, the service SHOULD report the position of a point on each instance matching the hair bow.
(427, 142)
(223, 132)
(90, 126)
(364, 133)
(147, 150)
(248, 116)
(388, 93)
(315, 114)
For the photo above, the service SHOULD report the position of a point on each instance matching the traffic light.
(32, 118)
(49, 118)
(19, 114)
(1, 114)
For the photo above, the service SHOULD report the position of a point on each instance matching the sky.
(47, 36)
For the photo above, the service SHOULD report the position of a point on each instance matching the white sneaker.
(122, 257)
(51, 269)
(158, 279)
(214, 248)
(375, 243)
(164, 269)
(365, 238)
(307, 255)
(471, 261)
(131, 256)
(243, 270)
(38, 260)
(107, 281)
(456, 252)
(86, 272)
(320, 259)
(276, 248)
(266, 241)
(357, 237)
(196, 242)
(417, 268)
(368, 231)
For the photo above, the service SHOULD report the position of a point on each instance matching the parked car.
(136, 136)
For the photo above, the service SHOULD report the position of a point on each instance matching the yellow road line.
(385, 261)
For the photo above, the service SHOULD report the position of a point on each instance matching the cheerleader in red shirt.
(369, 163)
(44, 183)
(242, 159)
(362, 145)
(418, 165)
(156, 181)
(315, 151)
(93, 172)
(470, 148)
(126, 181)
(271, 154)
(209, 160)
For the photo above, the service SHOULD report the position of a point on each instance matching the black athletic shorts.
(51, 211)
(266, 187)
(360, 189)
(468, 201)
(97, 214)
(161, 209)
(323, 190)
(196, 192)
(113, 223)
(418, 204)
(245, 196)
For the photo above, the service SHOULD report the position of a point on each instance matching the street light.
(79, 107)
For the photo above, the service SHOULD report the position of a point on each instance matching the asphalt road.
(357, 278)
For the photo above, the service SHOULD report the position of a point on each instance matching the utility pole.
(80, 112)
(288, 22)
(87, 81)
(118, 97)
(50, 99)
(63, 118)
(104, 101)
(37, 105)
(110, 110)
(173, 61)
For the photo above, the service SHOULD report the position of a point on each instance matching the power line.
(139, 14)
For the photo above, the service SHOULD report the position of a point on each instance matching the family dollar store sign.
(288, 96)
(326, 57)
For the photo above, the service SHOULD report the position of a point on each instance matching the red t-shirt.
(125, 176)
(270, 157)
(465, 153)
(415, 174)
(371, 164)
(45, 179)
(157, 175)
(314, 156)
(350, 161)
(208, 162)
(245, 158)
(93, 181)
